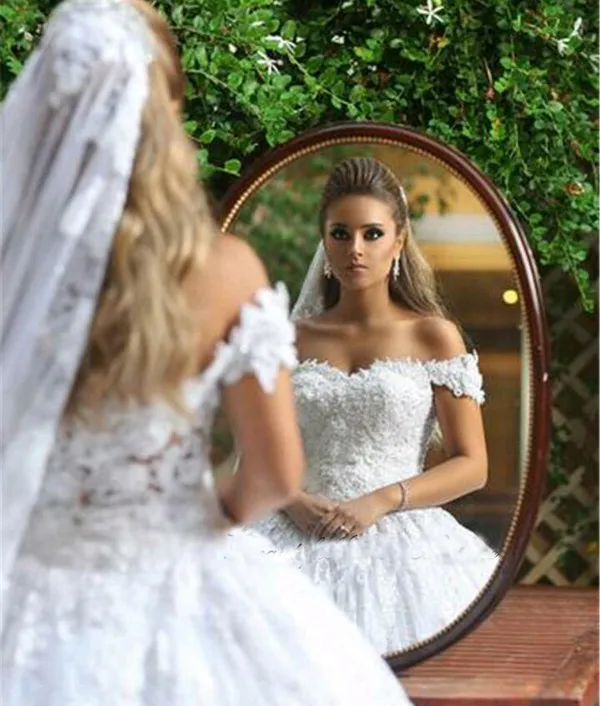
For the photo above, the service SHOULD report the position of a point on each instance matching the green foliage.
(485, 77)
(489, 80)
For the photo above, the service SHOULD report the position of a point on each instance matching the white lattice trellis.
(575, 416)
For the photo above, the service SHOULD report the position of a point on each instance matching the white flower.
(282, 43)
(347, 4)
(28, 36)
(267, 62)
(232, 48)
(431, 13)
(563, 44)
(338, 39)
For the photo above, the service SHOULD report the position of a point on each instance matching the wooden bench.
(540, 646)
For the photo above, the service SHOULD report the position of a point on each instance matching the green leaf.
(314, 63)
(232, 166)
(235, 80)
(364, 53)
(281, 81)
(262, 15)
(287, 135)
(288, 31)
(300, 50)
(202, 156)
(249, 88)
(201, 56)
(208, 136)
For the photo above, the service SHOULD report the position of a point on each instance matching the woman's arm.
(463, 472)
(465, 467)
(271, 462)
(270, 471)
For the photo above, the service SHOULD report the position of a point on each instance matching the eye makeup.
(371, 231)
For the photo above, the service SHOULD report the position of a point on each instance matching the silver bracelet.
(403, 501)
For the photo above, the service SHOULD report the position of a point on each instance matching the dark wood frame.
(526, 271)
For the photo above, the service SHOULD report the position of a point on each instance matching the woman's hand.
(351, 518)
(308, 512)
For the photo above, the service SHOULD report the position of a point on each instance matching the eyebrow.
(366, 225)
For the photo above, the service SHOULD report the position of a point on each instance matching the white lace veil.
(310, 299)
(69, 128)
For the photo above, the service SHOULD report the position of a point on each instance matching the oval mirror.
(445, 568)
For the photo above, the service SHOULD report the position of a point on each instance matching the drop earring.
(327, 268)
(396, 268)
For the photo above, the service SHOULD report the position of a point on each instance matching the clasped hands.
(326, 519)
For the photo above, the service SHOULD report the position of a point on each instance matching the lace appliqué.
(460, 375)
(85, 33)
(263, 341)
(149, 454)
(369, 428)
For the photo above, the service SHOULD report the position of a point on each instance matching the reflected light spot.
(510, 296)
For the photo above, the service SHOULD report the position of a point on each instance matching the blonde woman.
(381, 368)
(119, 334)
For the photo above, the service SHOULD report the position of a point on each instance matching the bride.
(383, 375)
(123, 580)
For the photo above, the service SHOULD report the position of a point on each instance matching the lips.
(356, 267)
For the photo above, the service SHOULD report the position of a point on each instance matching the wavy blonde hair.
(144, 336)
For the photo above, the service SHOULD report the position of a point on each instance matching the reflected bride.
(384, 377)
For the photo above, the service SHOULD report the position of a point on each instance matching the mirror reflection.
(409, 385)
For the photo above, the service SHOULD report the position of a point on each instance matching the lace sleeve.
(460, 375)
(263, 342)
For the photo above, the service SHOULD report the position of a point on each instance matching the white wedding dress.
(414, 572)
(131, 589)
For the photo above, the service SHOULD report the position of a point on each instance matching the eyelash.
(370, 234)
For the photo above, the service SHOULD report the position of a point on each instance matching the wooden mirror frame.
(524, 267)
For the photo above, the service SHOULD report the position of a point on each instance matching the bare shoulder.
(439, 338)
(306, 331)
(231, 276)
(235, 263)
(312, 334)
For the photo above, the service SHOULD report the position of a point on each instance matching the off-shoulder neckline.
(224, 347)
(407, 361)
